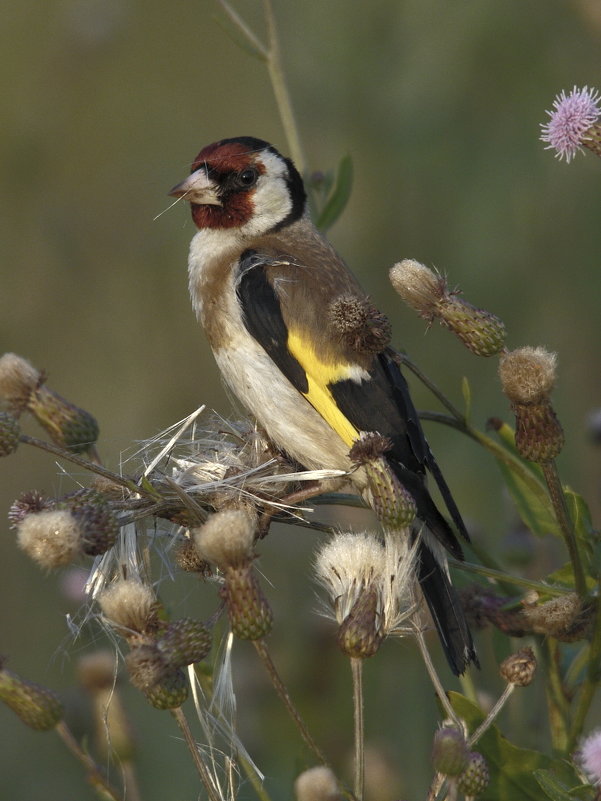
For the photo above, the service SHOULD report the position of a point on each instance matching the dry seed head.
(420, 287)
(449, 751)
(359, 324)
(10, 433)
(51, 538)
(188, 559)
(18, 379)
(38, 707)
(528, 374)
(131, 606)
(226, 538)
(345, 566)
(519, 668)
(146, 666)
(317, 784)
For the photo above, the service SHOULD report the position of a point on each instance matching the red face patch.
(224, 158)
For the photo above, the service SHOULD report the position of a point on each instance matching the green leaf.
(557, 791)
(511, 768)
(339, 196)
(466, 391)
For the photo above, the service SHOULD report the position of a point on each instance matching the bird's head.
(243, 184)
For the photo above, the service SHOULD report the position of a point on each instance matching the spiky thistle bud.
(131, 607)
(28, 503)
(392, 503)
(170, 692)
(38, 707)
(98, 522)
(427, 293)
(185, 642)
(22, 387)
(10, 432)
(359, 324)
(317, 784)
(519, 668)
(475, 777)
(449, 751)
(528, 376)
(114, 734)
(226, 540)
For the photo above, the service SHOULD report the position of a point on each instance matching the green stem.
(280, 90)
(592, 678)
(434, 678)
(556, 700)
(506, 578)
(558, 500)
(489, 719)
(357, 671)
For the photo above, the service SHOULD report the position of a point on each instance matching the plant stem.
(280, 90)
(504, 578)
(592, 678)
(565, 524)
(201, 768)
(95, 776)
(92, 467)
(489, 719)
(357, 671)
(284, 696)
(439, 689)
(556, 700)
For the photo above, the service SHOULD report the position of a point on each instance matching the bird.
(264, 283)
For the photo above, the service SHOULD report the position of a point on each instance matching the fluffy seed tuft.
(18, 379)
(528, 374)
(317, 784)
(51, 538)
(226, 538)
(131, 606)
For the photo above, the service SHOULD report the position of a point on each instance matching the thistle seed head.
(51, 538)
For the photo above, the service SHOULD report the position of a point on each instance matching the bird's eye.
(248, 177)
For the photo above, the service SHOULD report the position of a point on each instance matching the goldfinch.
(268, 290)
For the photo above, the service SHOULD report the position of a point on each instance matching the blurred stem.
(272, 56)
(489, 719)
(132, 788)
(201, 768)
(280, 89)
(469, 688)
(95, 777)
(357, 671)
(558, 500)
(439, 689)
(591, 681)
(252, 777)
(556, 700)
(284, 696)
(505, 578)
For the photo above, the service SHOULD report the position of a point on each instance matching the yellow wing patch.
(319, 375)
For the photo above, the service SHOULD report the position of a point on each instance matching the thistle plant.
(205, 499)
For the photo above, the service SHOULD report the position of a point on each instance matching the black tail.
(446, 610)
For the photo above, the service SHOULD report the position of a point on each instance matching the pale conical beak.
(197, 188)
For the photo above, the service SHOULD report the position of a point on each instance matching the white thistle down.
(350, 563)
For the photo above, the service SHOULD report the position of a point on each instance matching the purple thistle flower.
(571, 118)
(590, 757)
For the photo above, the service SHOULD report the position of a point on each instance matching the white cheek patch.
(272, 202)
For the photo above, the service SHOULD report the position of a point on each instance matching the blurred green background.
(104, 105)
